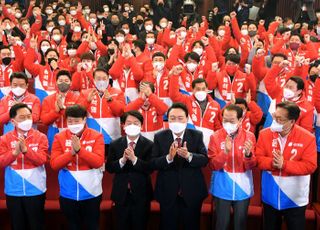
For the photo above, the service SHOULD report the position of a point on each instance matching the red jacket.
(235, 161)
(153, 116)
(237, 34)
(36, 155)
(15, 66)
(49, 114)
(149, 51)
(252, 117)
(300, 152)
(91, 154)
(30, 99)
(82, 80)
(221, 83)
(145, 62)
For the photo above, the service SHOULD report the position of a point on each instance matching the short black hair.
(233, 107)
(76, 111)
(51, 49)
(179, 105)
(148, 83)
(198, 42)
(19, 75)
(279, 55)
(133, 113)
(64, 72)
(299, 81)
(159, 54)
(100, 69)
(139, 44)
(192, 55)
(3, 47)
(241, 101)
(14, 109)
(292, 109)
(87, 56)
(198, 81)
(233, 57)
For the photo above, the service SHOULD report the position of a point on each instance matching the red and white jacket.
(153, 116)
(209, 122)
(252, 117)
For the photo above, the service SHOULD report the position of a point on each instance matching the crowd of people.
(131, 92)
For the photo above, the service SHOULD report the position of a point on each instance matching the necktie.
(179, 142)
(132, 145)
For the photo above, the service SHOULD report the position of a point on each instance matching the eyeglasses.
(279, 119)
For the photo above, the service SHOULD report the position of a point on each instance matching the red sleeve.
(116, 69)
(117, 105)
(94, 158)
(36, 110)
(217, 158)
(29, 13)
(134, 105)
(135, 68)
(251, 162)
(255, 113)
(312, 51)
(103, 49)
(235, 29)
(226, 39)
(19, 57)
(6, 157)
(148, 69)
(166, 40)
(160, 106)
(306, 121)
(273, 26)
(316, 96)
(4, 111)
(76, 81)
(6, 14)
(174, 56)
(273, 88)
(251, 84)
(84, 24)
(59, 159)
(262, 32)
(212, 80)
(40, 156)
(82, 48)
(82, 100)
(33, 68)
(48, 112)
(36, 26)
(263, 159)
(258, 67)
(308, 162)
(277, 48)
(218, 120)
(215, 45)
(174, 92)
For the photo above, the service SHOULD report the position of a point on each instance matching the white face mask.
(120, 39)
(148, 27)
(93, 46)
(62, 22)
(126, 31)
(87, 11)
(199, 51)
(158, 65)
(49, 12)
(183, 34)
(221, 33)
(201, 95)
(25, 125)
(276, 127)
(92, 21)
(49, 29)
(56, 37)
(163, 25)
(44, 49)
(192, 67)
(102, 85)
(229, 127)
(18, 15)
(288, 93)
(150, 41)
(72, 52)
(132, 130)
(8, 27)
(75, 129)
(77, 29)
(244, 32)
(86, 65)
(25, 26)
(18, 91)
(73, 12)
(177, 127)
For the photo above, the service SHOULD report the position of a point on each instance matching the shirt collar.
(175, 136)
(135, 140)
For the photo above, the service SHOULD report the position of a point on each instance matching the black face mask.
(6, 60)
(313, 77)
(160, 4)
(51, 59)
(63, 87)
(111, 51)
(139, 21)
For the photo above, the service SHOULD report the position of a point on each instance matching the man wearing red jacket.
(287, 155)
(127, 74)
(293, 90)
(143, 60)
(18, 94)
(204, 112)
(78, 154)
(151, 107)
(54, 106)
(105, 106)
(230, 82)
(231, 157)
(151, 47)
(23, 153)
(45, 80)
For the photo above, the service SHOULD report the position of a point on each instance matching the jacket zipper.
(101, 112)
(77, 169)
(23, 183)
(233, 171)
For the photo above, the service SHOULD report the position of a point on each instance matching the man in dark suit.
(132, 190)
(179, 154)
